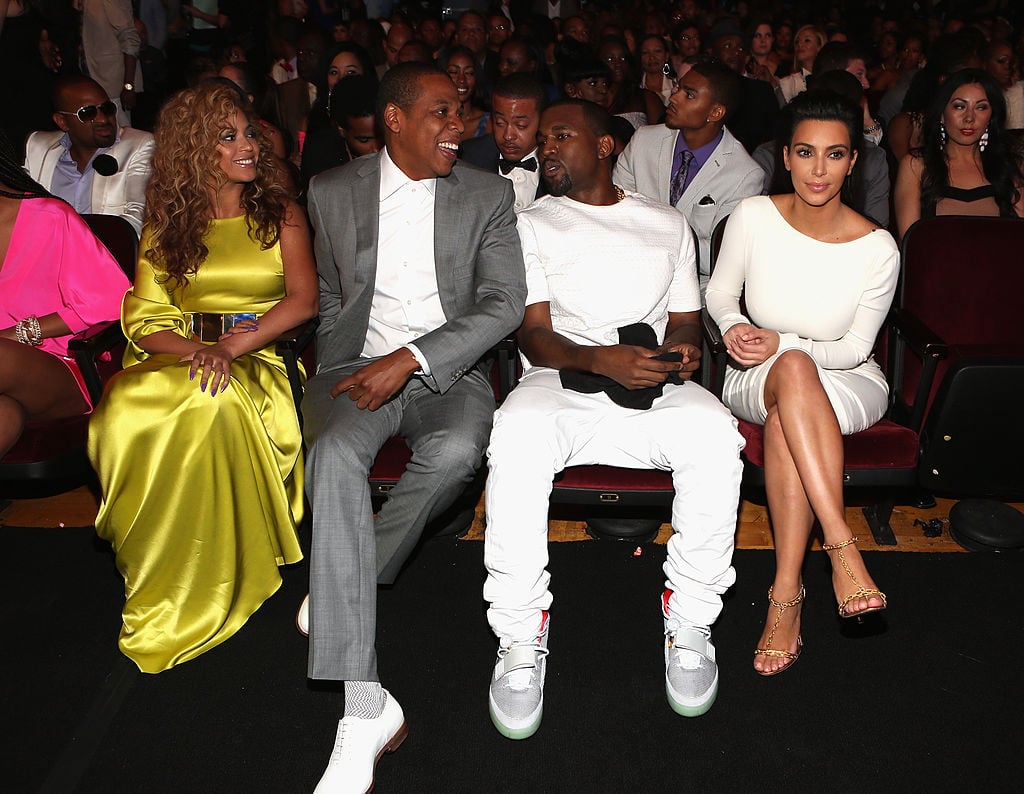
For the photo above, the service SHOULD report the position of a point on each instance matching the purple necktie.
(679, 178)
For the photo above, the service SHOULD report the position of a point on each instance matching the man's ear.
(605, 146)
(61, 121)
(393, 117)
(717, 112)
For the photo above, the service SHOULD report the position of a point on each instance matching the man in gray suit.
(692, 161)
(421, 272)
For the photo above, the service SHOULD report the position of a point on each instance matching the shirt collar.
(701, 153)
(65, 141)
(393, 178)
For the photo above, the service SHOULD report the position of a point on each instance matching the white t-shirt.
(604, 267)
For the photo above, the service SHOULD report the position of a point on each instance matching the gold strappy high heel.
(861, 591)
(781, 606)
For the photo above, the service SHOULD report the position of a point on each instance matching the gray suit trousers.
(447, 434)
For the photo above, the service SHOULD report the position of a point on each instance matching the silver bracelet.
(873, 128)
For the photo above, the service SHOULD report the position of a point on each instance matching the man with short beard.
(610, 340)
(90, 162)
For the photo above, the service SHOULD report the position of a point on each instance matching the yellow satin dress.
(201, 495)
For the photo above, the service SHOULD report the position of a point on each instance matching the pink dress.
(54, 263)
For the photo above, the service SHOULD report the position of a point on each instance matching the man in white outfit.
(603, 264)
(90, 162)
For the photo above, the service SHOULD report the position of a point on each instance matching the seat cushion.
(885, 445)
(613, 478)
(46, 440)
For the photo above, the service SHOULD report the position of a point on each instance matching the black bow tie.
(506, 166)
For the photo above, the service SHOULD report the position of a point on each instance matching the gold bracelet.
(28, 332)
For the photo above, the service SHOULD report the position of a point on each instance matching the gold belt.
(208, 327)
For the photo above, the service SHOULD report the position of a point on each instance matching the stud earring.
(983, 141)
(942, 133)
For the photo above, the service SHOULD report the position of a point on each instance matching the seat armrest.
(921, 339)
(907, 329)
(713, 370)
(86, 346)
(297, 339)
(507, 358)
(290, 345)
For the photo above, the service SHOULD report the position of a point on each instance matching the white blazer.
(123, 193)
(729, 176)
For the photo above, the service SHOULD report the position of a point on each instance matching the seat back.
(962, 276)
(119, 237)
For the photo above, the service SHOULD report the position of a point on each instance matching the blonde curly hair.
(179, 206)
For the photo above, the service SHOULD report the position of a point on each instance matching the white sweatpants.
(542, 428)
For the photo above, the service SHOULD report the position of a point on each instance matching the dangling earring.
(942, 133)
(983, 142)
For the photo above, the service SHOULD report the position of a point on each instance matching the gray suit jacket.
(728, 176)
(479, 263)
(123, 193)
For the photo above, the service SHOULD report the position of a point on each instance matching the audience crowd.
(554, 166)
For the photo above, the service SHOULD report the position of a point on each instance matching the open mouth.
(246, 162)
(449, 149)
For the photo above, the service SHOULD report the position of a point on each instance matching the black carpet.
(927, 697)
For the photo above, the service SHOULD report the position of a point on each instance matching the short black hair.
(67, 82)
(521, 85)
(597, 119)
(725, 84)
(353, 97)
(400, 85)
(835, 55)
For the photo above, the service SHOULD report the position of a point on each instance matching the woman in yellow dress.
(197, 443)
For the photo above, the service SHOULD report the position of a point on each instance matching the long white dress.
(827, 299)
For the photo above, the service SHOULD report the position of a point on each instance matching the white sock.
(364, 699)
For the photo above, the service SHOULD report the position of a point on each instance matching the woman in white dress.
(818, 280)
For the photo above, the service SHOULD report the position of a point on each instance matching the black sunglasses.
(87, 113)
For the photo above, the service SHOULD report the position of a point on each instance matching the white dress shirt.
(524, 183)
(406, 304)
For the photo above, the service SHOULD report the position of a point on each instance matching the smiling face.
(462, 71)
(967, 114)
(570, 153)
(423, 140)
(344, 64)
(819, 159)
(238, 149)
(514, 123)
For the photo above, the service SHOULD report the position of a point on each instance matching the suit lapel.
(447, 211)
(366, 214)
(668, 145)
(705, 174)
